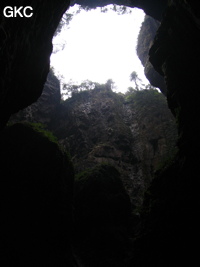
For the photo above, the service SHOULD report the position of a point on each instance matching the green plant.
(41, 128)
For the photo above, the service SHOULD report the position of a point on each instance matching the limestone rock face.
(100, 126)
(145, 41)
(44, 109)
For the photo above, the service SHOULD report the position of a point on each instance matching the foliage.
(87, 85)
(71, 88)
(81, 175)
(68, 16)
(119, 9)
(41, 128)
(145, 97)
(134, 78)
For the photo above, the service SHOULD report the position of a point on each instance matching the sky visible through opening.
(99, 46)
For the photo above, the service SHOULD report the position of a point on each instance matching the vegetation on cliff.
(135, 132)
(116, 142)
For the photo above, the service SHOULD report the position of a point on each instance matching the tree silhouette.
(110, 84)
(134, 78)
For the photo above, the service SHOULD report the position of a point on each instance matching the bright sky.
(100, 46)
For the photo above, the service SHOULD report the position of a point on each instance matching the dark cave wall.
(171, 209)
(25, 50)
(45, 108)
(175, 55)
(36, 188)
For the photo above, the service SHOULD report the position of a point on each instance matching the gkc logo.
(10, 12)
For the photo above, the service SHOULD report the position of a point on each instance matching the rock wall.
(44, 109)
(26, 45)
(102, 218)
(100, 126)
(145, 40)
(172, 204)
(174, 54)
(36, 190)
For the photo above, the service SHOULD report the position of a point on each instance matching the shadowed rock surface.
(131, 136)
(135, 133)
(26, 45)
(102, 217)
(36, 191)
(145, 41)
(169, 226)
(100, 126)
(46, 107)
